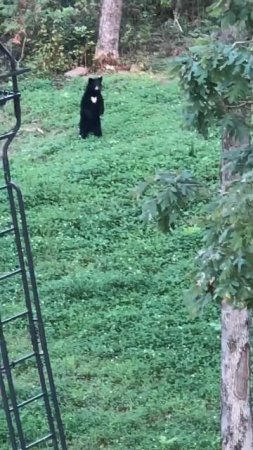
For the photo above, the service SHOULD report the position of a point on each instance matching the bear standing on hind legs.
(92, 107)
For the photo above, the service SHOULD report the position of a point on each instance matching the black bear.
(91, 108)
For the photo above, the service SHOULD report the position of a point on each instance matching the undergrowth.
(133, 370)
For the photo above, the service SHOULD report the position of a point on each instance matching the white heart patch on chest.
(94, 99)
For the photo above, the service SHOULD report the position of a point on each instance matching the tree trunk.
(107, 49)
(236, 421)
(236, 417)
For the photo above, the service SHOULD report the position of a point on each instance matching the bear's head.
(95, 85)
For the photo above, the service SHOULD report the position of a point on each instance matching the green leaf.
(216, 8)
(141, 189)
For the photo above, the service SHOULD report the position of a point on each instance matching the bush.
(57, 37)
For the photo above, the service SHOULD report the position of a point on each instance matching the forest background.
(57, 35)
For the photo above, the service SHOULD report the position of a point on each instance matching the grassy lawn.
(133, 371)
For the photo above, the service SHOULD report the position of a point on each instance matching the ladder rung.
(14, 363)
(39, 441)
(14, 73)
(7, 135)
(10, 274)
(30, 400)
(18, 316)
(5, 96)
(8, 230)
(24, 358)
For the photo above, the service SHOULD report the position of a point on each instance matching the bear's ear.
(100, 79)
(90, 80)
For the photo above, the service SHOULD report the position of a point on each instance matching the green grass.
(132, 370)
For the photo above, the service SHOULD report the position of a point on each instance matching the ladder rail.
(8, 413)
(12, 393)
(39, 316)
(33, 313)
(11, 186)
(16, 100)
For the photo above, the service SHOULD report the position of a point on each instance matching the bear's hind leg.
(84, 129)
(97, 129)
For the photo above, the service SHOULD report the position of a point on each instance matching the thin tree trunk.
(236, 421)
(107, 49)
(236, 416)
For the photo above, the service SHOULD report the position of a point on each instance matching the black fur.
(90, 112)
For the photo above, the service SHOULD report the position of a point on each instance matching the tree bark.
(107, 49)
(236, 421)
(236, 415)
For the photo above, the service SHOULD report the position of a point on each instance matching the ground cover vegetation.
(132, 368)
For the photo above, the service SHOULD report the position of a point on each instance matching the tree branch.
(239, 105)
(241, 43)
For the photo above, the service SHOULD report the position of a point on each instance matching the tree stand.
(30, 314)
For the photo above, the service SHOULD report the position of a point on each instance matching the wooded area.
(58, 35)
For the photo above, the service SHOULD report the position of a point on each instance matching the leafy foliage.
(216, 78)
(130, 366)
(56, 36)
(64, 38)
(217, 81)
(62, 33)
(177, 190)
(224, 267)
(234, 12)
(191, 7)
(239, 161)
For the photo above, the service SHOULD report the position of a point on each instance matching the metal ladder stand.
(55, 437)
